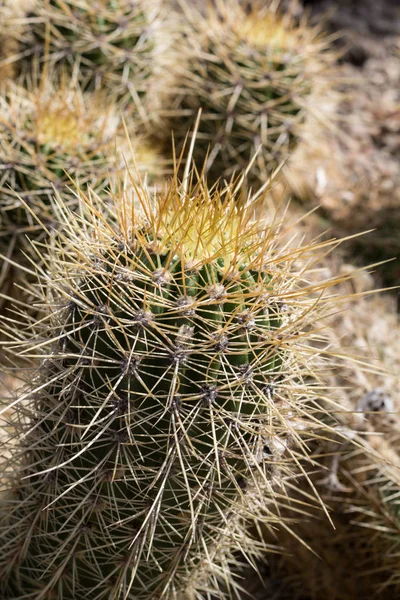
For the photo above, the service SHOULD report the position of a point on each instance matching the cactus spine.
(254, 74)
(174, 341)
(12, 16)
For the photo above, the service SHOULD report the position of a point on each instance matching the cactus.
(8, 48)
(12, 14)
(254, 74)
(20, 7)
(51, 136)
(360, 482)
(110, 44)
(173, 377)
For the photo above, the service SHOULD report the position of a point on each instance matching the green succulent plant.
(157, 426)
(52, 136)
(255, 74)
(108, 44)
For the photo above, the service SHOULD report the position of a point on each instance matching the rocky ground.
(353, 170)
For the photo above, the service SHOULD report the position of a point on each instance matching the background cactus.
(8, 44)
(50, 137)
(12, 14)
(352, 170)
(110, 44)
(159, 422)
(255, 73)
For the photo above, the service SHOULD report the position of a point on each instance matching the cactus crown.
(64, 121)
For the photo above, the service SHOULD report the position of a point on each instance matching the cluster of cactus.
(361, 481)
(254, 74)
(172, 400)
(173, 332)
(110, 44)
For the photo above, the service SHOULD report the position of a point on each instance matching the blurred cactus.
(359, 481)
(109, 44)
(173, 335)
(352, 170)
(255, 73)
(12, 14)
(51, 137)
(8, 44)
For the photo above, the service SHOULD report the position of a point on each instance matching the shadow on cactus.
(256, 74)
(171, 403)
(111, 44)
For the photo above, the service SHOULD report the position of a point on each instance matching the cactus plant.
(12, 15)
(111, 44)
(51, 136)
(173, 377)
(255, 73)
(8, 48)
(8, 44)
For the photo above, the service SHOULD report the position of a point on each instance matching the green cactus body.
(50, 137)
(112, 42)
(253, 75)
(152, 428)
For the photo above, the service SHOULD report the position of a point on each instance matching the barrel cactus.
(50, 137)
(110, 44)
(256, 74)
(173, 378)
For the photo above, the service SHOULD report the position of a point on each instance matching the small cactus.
(254, 74)
(50, 137)
(110, 44)
(12, 16)
(174, 365)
